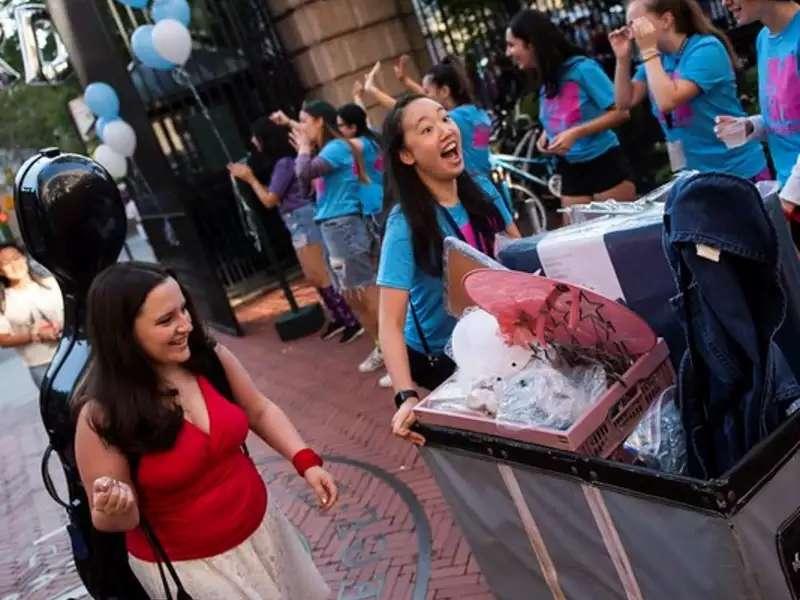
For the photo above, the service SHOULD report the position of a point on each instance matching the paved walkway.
(392, 537)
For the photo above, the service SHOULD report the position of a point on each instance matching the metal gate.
(241, 72)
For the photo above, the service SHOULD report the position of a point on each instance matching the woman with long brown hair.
(576, 109)
(161, 421)
(687, 67)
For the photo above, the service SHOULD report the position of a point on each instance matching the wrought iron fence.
(236, 62)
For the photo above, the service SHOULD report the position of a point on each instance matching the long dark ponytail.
(451, 72)
(406, 189)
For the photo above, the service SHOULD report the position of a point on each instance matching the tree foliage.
(36, 116)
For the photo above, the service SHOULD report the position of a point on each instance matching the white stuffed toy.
(484, 358)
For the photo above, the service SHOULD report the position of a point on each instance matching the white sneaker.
(373, 362)
(385, 381)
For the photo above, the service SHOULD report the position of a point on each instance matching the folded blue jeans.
(734, 384)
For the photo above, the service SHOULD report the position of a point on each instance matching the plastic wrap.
(593, 210)
(547, 394)
(659, 441)
(480, 400)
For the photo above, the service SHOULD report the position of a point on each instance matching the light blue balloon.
(102, 100)
(171, 9)
(100, 125)
(134, 3)
(142, 43)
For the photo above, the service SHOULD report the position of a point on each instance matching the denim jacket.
(734, 384)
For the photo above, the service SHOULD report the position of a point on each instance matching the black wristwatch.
(403, 395)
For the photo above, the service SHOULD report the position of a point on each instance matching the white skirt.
(272, 564)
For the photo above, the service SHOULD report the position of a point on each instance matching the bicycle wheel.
(526, 146)
(533, 216)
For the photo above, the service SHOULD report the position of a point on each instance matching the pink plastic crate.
(599, 431)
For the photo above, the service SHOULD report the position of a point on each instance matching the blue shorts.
(350, 251)
(302, 227)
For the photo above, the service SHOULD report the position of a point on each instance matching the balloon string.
(182, 77)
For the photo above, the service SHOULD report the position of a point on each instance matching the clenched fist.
(112, 497)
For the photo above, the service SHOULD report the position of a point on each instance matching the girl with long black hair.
(577, 111)
(448, 84)
(272, 160)
(433, 197)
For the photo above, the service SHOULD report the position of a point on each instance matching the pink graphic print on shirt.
(469, 235)
(481, 136)
(563, 111)
(782, 102)
(682, 115)
(378, 164)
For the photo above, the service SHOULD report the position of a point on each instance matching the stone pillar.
(333, 42)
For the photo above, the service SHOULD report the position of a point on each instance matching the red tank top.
(203, 496)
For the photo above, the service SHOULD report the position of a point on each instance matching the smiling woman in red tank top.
(161, 424)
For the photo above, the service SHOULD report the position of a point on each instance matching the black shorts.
(596, 175)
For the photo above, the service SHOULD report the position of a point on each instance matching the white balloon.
(172, 41)
(121, 137)
(480, 351)
(114, 163)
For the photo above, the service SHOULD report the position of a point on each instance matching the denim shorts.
(302, 227)
(349, 246)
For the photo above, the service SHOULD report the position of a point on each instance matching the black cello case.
(73, 222)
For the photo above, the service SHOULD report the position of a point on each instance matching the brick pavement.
(392, 537)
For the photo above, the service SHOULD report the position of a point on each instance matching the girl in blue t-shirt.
(577, 111)
(447, 83)
(337, 171)
(352, 123)
(778, 50)
(688, 69)
(433, 197)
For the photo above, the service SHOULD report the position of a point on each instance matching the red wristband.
(305, 459)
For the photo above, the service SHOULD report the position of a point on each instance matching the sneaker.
(385, 381)
(333, 329)
(373, 362)
(351, 333)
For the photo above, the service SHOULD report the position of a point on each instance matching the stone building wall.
(332, 42)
